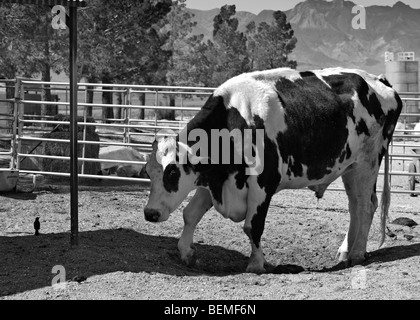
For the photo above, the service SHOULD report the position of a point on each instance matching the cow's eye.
(171, 177)
(173, 174)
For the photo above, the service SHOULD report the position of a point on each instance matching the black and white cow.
(318, 125)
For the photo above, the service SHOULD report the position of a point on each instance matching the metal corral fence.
(23, 127)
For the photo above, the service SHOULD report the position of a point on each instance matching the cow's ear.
(155, 145)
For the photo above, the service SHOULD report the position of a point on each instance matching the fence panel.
(124, 134)
(405, 148)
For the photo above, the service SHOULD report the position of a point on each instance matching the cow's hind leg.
(360, 184)
(200, 203)
(258, 202)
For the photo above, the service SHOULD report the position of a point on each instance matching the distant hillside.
(326, 37)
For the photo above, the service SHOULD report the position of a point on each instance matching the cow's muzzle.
(151, 215)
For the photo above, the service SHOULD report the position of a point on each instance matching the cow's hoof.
(342, 256)
(189, 261)
(354, 262)
(190, 258)
(257, 269)
(358, 260)
(347, 260)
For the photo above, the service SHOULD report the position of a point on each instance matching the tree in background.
(117, 42)
(29, 46)
(188, 64)
(182, 45)
(251, 32)
(228, 54)
(120, 44)
(9, 64)
(269, 46)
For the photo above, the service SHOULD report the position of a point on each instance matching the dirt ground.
(124, 257)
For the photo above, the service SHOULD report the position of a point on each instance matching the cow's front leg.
(258, 202)
(200, 203)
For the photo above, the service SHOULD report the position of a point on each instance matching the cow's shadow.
(19, 195)
(387, 254)
(28, 260)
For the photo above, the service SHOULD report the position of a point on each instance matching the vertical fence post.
(182, 106)
(14, 146)
(74, 183)
(156, 110)
(127, 101)
(130, 111)
(405, 127)
(82, 170)
(67, 100)
(20, 110)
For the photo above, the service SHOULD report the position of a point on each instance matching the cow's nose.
(151, 215)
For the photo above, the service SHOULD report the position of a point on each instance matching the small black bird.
(37, 226)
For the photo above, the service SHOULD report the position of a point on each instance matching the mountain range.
(326, 37)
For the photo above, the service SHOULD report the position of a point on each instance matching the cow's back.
(320, 121)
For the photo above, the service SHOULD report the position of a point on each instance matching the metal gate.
(28, 133)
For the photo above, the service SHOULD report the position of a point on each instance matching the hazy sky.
(256, 6)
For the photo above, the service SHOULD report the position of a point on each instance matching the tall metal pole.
(74, 183)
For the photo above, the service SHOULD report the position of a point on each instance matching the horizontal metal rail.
(109, 125)
(413, 132)
(115, 85)
(406, 114)
(105, 143)
(402, 145)
(379, 191)
(103, 105)
(152, 134)
(87, 176)
(410, 99)
(409, 93)
(400, 156)
(43, 156)
(406, 136)
(177, 93)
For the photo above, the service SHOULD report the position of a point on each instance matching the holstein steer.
(318, 125)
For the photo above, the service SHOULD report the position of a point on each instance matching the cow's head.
(171, 181)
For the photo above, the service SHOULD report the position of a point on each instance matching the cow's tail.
(385, 199)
